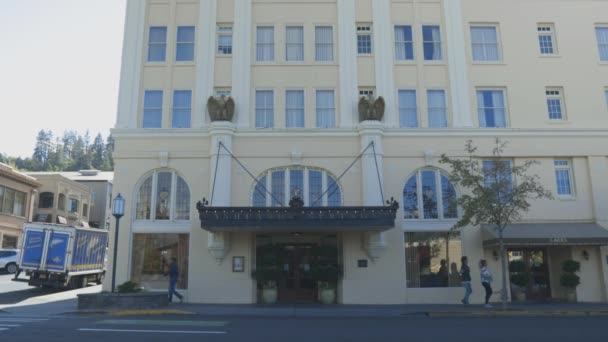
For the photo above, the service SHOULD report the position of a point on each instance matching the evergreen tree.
(97, 153)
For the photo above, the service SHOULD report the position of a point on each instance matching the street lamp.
(118, 210)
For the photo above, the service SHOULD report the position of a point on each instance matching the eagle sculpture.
(370, 108)
(220, 108)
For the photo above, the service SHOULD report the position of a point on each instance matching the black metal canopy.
(297, 218)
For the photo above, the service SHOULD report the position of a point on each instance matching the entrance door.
(298, 286)
(538, 269)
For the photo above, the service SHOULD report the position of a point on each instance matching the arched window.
(46, 200)
(315, 186)
(429, 194)
(163, 195)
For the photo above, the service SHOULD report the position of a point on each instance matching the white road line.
(156, 331)
(23, 320)
(3, 329)
(10, 325)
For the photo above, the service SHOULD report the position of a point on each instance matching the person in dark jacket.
(173, 276)
(465, 279)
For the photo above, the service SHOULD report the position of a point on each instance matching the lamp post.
(118, 210)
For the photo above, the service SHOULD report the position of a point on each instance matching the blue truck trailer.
(55, 255)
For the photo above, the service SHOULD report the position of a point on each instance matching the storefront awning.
(297, 219)
(547, 234)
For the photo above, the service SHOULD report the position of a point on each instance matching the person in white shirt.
(486, 280)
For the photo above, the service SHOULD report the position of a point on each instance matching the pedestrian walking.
(173, 276)
(486, 280)
(465, 279)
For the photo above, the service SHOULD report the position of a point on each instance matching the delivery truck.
(54, 255)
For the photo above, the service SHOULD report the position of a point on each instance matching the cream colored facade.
(521, 73)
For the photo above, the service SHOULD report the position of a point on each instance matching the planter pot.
(520, 296)
(269, 296)
(571, 297)
(115, 301)
(328, 296)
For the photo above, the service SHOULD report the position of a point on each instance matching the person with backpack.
(465, 279)
(486, 280)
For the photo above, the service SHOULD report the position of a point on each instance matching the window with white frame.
(224, 39)
(364, 39)
(316, 187)
(408, 109)
(264, 109)
(431, 37)
(546, 39)
(324, 43)
(555, 103)
(157, 44)
(429, 194)
(294, 43)
(491, 109)
(12, 201)
(182, 108)
(223, 92)
(326, 108)
(294, 108)
(185, 44)
(404, 43)
(497, 171)
(264, 44)
(601, 33)
(563, 177)
(484, 41)
(437, 108)
(163, 195)
(153, 109)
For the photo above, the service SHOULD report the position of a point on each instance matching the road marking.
(156, 331)
(3, 329)
(10, 325)
(164, 322)
(24, 320)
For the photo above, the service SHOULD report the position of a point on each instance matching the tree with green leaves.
(495, 192)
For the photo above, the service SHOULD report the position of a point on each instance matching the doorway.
(537, 267)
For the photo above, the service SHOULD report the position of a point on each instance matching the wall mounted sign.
(238, 264)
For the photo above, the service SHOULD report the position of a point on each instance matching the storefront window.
(152, 254)
(432, 259)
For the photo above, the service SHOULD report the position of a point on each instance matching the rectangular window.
(264, 109)
(294, 108)
(185, 44)
(264, 44)
(157, 44)
(484, 40)
(315, 188)
(546, 39)
(497, 170)
(224, 39)
(364, 39)
(437, 108)
(182, 108)
(366, 91)
(555, 103)
(432, 259)
(404, 43)
(601, 33)
(152, 254)
(431, 37)
(563, 177)
(73, 205)
(324, 43)
(408, 109)
(326, 109)
(153, 108)
(12, 202)
(491, 108)
(294, 44)
(278, 188)
(19, 207)
(9, 242)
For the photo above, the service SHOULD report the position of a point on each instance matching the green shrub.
(569, 280)
(128, 287)
(517, 266)
(520, 279)
(571, 266)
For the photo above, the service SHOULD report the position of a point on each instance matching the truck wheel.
(11, 268)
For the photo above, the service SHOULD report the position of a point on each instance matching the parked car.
(9, 259)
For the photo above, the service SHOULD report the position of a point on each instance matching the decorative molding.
(429, 157)
(296, 156)
(130, 72)
(347, 58)
(205, 60)
(457, 64)
(163, 159)
(383, 56)
(241, 61)
(218, 245)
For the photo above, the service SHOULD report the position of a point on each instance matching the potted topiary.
(519, 277)
(326, 271)
(268, 271)
(569, 279)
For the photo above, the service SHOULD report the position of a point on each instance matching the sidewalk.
(65, 303)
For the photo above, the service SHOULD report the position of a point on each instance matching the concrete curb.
(516, 313)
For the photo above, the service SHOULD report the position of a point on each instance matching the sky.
(59, 68)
